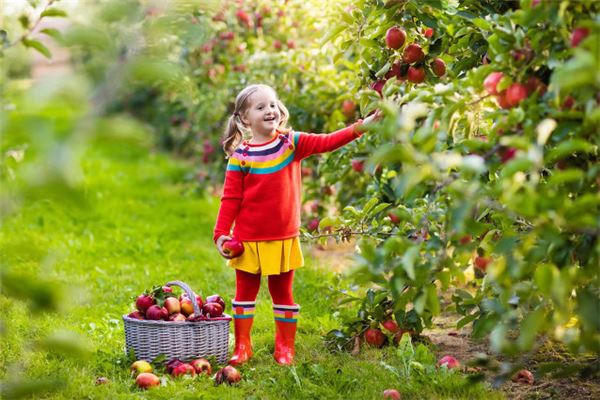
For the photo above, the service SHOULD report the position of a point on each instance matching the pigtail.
(233, 135)
(285, 116)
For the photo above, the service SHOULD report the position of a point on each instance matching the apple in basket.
(156, 313)
(187, 307)
(143, 302)
(212, 310)
(193, 317)
(172, 305)
(136, 315)
(177, 317)
(215, 298)
(233, 248)
(202, 366)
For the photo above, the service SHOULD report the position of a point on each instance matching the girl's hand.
(222, 239)
(376, 116)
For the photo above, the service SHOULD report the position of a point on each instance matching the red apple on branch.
(390, 325)
(413, 53)
(515, 94)
(395, 37)
(491, 82)
(578, 35)
(416, 75)
(428, 33)
(348, 108)
(358, 165)
(438, 66)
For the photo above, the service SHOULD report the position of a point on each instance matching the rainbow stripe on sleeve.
(264, 159)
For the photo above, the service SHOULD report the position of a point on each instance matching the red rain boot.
(286, 318)
(243, 317)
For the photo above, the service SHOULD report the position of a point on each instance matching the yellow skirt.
(271, 257)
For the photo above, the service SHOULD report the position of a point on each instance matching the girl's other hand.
(222, 239)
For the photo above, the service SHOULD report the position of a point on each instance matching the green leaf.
(55, 33)
(569, 147)
(332, 34)
(408, 261)
(380, 207)
(369, 206)
(433, 301)
(53, 12)
(544, 277)
(530, 326)
(37, 45)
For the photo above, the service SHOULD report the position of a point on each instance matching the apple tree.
(480, 185)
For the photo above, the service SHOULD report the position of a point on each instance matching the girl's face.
(262, 115)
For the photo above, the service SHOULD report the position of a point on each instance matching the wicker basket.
(182, 340)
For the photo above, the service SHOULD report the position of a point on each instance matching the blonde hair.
(234, 132)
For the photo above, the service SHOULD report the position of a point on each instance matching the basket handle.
(189, 292)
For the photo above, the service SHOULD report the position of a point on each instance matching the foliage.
(511, 192)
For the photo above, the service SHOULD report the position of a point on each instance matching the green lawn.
(144, 224)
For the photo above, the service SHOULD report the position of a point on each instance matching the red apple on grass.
(139, 367)
(147, 380)
(413, 53)
(183, 369)
(202, 366)
(391, 394)
(449, 361)
(233, 248)
(171, 364)
(375, 337)
(523, 376)
(395, 37)
(228, 375)
(143, 302)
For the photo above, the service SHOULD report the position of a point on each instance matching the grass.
(143, 224)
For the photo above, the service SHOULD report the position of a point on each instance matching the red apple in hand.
(147, 380)
(202, 366)
(143, 302)
(449, 361)
(391, 394)
(228, 375)
(395, 37)
(233, 248)
(374, 337)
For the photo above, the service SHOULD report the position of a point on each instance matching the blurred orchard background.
(474, 202)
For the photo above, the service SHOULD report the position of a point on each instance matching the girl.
(261, 195)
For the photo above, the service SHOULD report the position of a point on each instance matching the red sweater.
(262, 190)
